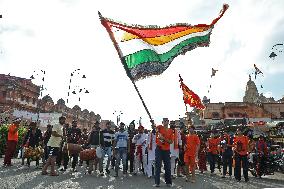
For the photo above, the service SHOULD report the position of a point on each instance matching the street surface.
(22, 177)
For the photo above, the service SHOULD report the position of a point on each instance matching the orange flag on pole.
(189, 97)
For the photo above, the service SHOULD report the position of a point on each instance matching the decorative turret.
(61, 102)
(251, 94)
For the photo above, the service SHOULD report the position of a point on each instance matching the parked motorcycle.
(271, 164)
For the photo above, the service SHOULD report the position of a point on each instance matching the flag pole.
(122, 60)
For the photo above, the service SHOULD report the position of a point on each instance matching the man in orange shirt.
(164, 138)
(12, 141)
(213, 143)
(191, 153)
(241, 144)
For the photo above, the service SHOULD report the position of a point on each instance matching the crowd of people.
(140, 151)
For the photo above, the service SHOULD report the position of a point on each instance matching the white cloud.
(60, 36)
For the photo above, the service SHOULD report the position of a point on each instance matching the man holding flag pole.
(145, 51)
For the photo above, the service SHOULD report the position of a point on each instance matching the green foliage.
(4, 136)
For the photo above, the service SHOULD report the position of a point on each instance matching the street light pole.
(117, 116)
(42, 88)
(70, 82)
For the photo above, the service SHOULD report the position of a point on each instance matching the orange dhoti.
(189, 160)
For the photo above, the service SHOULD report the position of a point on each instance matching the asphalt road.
(23, 177)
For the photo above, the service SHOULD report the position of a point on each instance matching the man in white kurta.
(174, 147)
(140, 155)
(151, 147)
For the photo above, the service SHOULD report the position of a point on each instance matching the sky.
(60, 36)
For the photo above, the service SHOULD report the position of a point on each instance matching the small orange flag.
(189, 97)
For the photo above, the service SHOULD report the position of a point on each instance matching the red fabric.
(192, 141)
(150, 32)
(10, 151)
(175, 139)
(189, 160)
(244, 144)
(262, 147)
(189, 97)
(144, 32)
(12, 135)
(202, 161)
(167, 134)
(213, 145)
(139, 151)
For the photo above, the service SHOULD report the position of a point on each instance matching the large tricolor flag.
(189, 97)
(149, 50)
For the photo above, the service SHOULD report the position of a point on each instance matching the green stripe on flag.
(148, 55)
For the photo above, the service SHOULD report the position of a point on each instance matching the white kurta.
(175, 152)
(140, 140)
(151, 153)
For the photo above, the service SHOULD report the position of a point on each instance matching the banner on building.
(49, 118)
(25, 115)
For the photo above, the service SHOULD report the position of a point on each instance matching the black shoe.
(107, 171)
(246, 180)
(156, 185)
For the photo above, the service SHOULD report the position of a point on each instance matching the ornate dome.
(92, 115)
(61, 102)
(85, 111)
(98, 117)
(76, 108)
(251, 94)
(47, 98)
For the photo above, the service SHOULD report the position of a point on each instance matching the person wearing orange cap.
(191, 153)
(140, 148)
(12, 141)
(164, 138)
